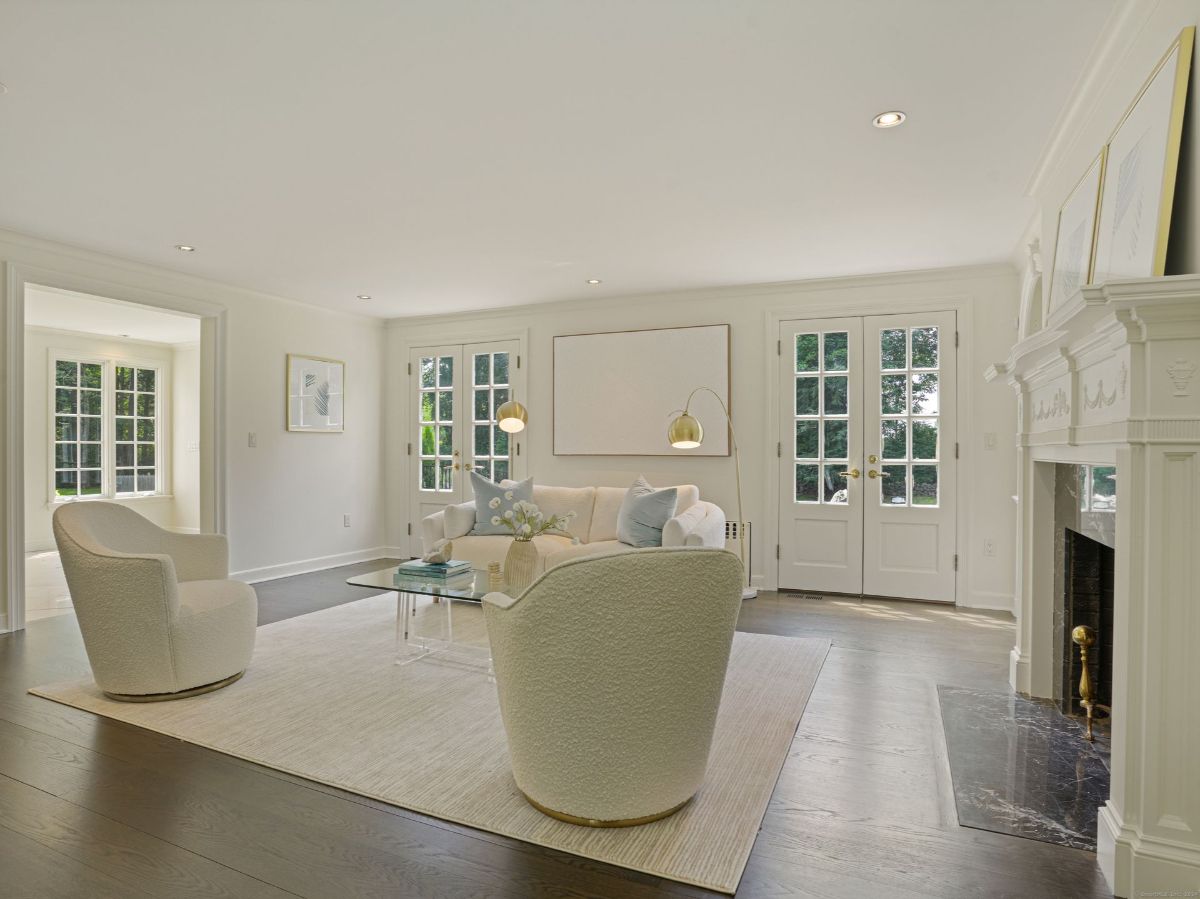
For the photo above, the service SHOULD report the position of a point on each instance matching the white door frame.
(451, 335)
(834, 306)
(213, 347)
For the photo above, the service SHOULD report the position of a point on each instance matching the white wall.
(185, 434)
(286, 498)
(987, 478)
(1139, 35)
(39, 344)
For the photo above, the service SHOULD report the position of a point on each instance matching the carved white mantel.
(1114, 379)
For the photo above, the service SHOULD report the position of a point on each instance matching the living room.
(482, 345)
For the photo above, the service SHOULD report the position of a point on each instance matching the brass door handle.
(872, 459)
(877, 474)
(456, 466)
(852, 473)
(468, 467)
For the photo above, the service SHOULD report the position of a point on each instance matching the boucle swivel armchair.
(610, 670)
(160, 619)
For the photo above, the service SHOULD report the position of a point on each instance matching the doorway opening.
(112, 412)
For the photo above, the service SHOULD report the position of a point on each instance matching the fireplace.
(1084, 557)
(1111, 383)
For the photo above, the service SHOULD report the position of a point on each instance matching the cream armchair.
(159, 617)
(610, 671)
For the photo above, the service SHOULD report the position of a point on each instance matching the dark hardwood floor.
(94, 808)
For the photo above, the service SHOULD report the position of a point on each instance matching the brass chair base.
(182, 694)
(596, 822)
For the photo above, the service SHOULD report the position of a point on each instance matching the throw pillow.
(644, 513)
(492, 501)
(459, 520)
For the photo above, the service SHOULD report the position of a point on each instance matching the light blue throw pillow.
(644, 512)
(485, 492)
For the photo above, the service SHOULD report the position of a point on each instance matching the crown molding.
(1123, 28)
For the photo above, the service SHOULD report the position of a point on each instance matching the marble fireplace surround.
(1114, 379)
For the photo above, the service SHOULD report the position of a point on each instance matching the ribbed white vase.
(520, 565)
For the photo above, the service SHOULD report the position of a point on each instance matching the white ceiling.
(447, 156)
(48, 307)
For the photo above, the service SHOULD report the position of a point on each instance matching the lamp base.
(749, 592)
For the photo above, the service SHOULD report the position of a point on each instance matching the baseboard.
(307, 566)
(183, 530)
(986, 599)
(1019, 677)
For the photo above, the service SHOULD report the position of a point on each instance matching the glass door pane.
(437, 469)
(821, 410)
(491, 448)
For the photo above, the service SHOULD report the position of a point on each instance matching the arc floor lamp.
(686, 432)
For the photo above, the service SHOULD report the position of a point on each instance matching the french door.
(867, 459)
(456, 390)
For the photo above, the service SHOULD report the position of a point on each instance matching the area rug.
(324, 700)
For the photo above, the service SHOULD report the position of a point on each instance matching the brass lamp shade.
(685, 432)
(512, 417)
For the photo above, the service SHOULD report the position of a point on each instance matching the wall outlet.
(346, 520)
(989, 440)
(252, 440)
(989, 547)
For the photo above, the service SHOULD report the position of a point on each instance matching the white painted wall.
(185, 432)
(1138, 36)
(39, 344)
(987, 478)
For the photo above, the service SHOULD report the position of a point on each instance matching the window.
(492, 453)
(106, 429)
(437, 423)
(822, 413)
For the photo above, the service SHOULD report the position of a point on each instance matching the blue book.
(417, 568)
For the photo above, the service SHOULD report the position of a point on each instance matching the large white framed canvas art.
(1076, 241)
(1139, 180)
(316, 394)
(616, 393)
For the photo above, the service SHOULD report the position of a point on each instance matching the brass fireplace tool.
(1084, 637)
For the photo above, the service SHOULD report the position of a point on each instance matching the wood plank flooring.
(94, 808)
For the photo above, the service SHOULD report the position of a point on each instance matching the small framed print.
(316, 394)
(1076, 241)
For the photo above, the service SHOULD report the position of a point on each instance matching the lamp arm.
(737, 467)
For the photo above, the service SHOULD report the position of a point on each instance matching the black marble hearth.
(1020, 767)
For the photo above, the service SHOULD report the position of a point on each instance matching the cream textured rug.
(324, 699)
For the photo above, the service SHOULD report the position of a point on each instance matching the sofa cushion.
(604, 514)
(562, 500)
(644, 512)
(492, 500)
(580, 550)
(459, 519)
(479, 550)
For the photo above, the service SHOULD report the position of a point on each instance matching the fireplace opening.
(1087, 602)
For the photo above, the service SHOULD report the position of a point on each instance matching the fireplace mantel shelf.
(1114, 379)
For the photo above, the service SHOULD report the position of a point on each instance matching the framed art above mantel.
(616, 393)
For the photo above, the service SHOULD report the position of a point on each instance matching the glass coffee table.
(426, 613)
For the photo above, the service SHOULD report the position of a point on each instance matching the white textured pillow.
(460, 519)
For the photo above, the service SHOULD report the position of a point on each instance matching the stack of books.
(427, 571)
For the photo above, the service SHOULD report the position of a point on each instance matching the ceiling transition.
(449, 156)
(48, 307)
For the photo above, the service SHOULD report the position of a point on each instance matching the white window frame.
(108, 427)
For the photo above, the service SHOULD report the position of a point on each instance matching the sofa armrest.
(433, 529)
(706, 529)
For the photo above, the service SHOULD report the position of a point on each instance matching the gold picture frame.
(1142, 162)
(315, 394)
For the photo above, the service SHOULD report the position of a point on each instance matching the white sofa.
(159, 616)
(609, 672)
(696, 523)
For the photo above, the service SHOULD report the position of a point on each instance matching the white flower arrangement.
(526, 521)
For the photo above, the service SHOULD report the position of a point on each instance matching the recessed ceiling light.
(889, 119)
(593, 280)
(364, 296)
(185, 248)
